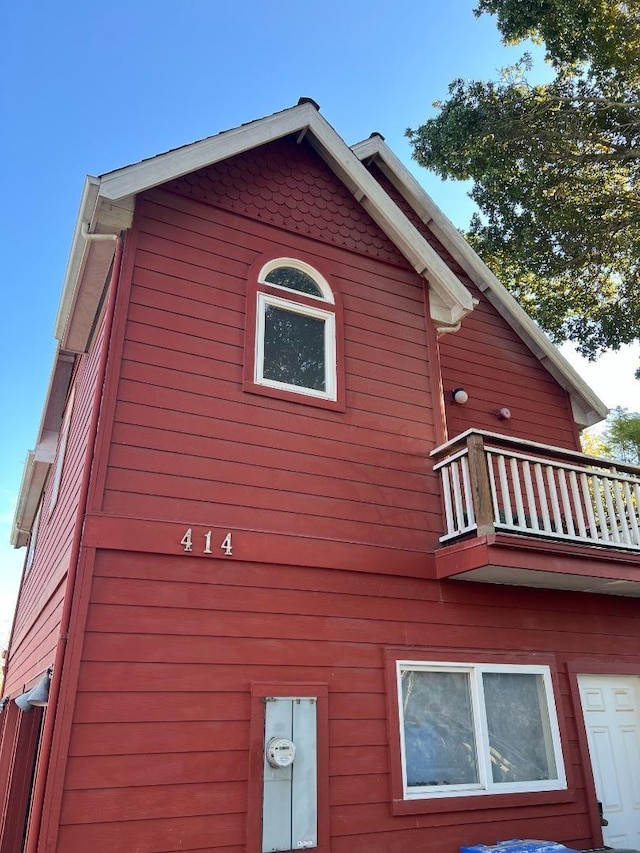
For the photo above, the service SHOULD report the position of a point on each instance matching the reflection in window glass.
(294, 348)
(469, 729)
(60, 455)
(33, 538)
(518, 722)
(440, 746)
(293, 279)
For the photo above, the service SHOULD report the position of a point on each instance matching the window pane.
(293, 279)
(519, 732)
(439, 738)
(294, 348)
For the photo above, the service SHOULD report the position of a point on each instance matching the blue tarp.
(518, 845)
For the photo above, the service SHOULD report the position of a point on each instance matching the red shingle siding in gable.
(190, 444)
(495, 366)
(37, 619)
(288, 185)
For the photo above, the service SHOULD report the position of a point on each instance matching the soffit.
(108, 202)
(587, 407)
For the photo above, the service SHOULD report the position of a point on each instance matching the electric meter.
(280, 752)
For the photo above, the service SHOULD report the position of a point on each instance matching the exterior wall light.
(460, 396)
(503, 414)
(22, 702)
(38, 696)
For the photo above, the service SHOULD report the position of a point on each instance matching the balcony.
(522, 513)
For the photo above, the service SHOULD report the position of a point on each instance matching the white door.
(611, 707)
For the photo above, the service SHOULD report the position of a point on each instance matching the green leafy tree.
(593, 443)
(622, 436)
(555, 167)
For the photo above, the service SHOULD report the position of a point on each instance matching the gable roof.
(587, 407)
(107, 206)
(108, 202)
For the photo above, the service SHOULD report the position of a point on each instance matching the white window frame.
(320, 280)
(62, 452)
(486, 785)
(33, 539)
(296, 302)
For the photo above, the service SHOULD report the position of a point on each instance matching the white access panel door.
(290, 793)
(611, 707)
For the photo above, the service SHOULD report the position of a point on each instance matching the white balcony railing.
(492, 482)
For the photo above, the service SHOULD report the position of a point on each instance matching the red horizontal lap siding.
(159, 744)
(369, 465)
(492, 363)
(32, 653)
(363, 404)
(166, 768)
(156, 802)
(173, 644)
(202, 446)
(372, 449)
(259, 474)
(224, 831)
(37, 619)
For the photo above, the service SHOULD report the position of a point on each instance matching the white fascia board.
(34, 478)
(40, 460)
(89, 264)
(587, 407)
(375, 147)
(453, 300)
(182, 161)
(76, 255)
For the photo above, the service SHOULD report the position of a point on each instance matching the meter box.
(518, 845)
(290, 774)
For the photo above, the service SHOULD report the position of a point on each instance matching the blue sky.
(88, 87)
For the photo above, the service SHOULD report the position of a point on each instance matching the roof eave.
(74, 263)
(107, 206)
(588, 409)
(138, 177)
(40, 459)
(89, 264)
(34, 478)
(452, 300)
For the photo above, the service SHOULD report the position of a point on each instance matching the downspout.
(435, 371)
(65, 620)
(93, 237)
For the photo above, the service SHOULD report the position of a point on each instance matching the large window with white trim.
(295, 347)
(468, 729)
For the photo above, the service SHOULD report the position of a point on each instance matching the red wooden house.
(313, 557)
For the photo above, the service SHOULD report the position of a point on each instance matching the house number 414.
(226, 546)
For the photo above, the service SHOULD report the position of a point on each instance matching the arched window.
(295, 344)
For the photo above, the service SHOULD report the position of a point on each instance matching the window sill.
(429, 805)
(294, 397)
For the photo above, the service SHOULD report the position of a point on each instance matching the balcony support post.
(480, 485)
